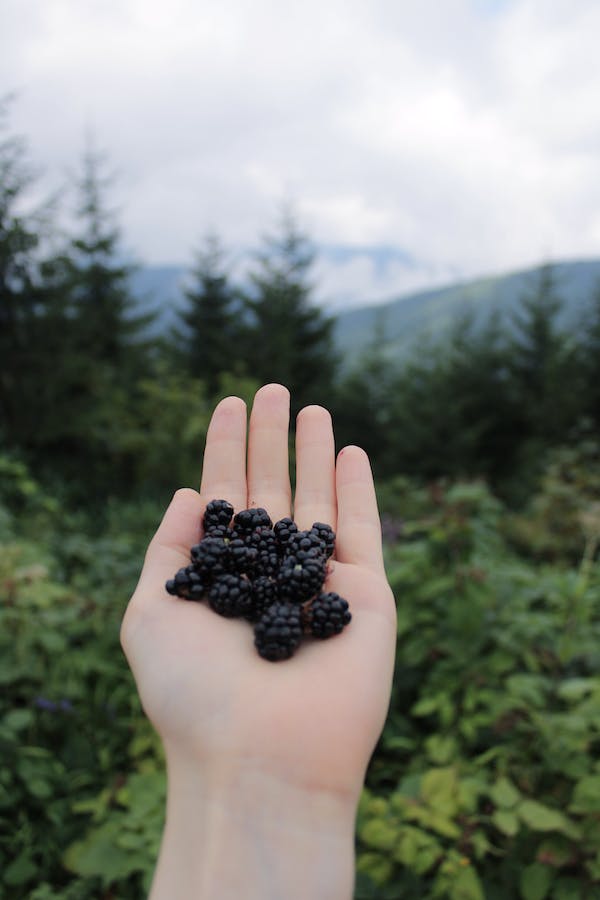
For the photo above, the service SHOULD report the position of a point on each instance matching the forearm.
(246, 834)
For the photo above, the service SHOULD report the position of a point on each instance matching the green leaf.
(425, 707)
(379, 834)
(439, 790)
(543, 818)
(506, 822)
(17, 719)
(574, 689)
(99, 855)
(441, 749)
(535, 881)
(20, 870)
(467, 886)
(586, 796)
(504, 793)
(377, 867)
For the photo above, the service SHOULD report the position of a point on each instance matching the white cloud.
(466, 133)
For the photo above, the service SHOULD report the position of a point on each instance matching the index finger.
(224, 468)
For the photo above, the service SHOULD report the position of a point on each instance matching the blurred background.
(393, 209)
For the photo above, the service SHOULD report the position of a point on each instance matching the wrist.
(238, 830)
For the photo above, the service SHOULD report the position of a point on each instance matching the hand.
(226, 716)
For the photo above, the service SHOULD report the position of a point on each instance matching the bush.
(486, 782)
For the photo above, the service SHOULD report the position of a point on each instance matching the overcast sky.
(464, 134)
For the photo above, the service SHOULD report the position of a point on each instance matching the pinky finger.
(358, 526)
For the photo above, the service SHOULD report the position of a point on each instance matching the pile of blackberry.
(271, 575)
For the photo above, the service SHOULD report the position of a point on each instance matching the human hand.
(226, 716)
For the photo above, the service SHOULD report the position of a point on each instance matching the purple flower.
(44, 703)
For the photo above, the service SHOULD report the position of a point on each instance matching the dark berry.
(264, 593)
(249, 519)
(279, 632)
(224, 532)
(327, 536)
(186, 583)
(326, 615)
(268, 558)
(211, 556)
(284, 529)
(301, 576)
(230, 595)
(241, 556)
(217, 512)
(307, 542)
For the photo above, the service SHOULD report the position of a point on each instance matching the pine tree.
(103, 352)
(22, 340)
(363, 399)
(208, 344)
(97, 279)
(589, 360)
(542, 361)
(289, 338)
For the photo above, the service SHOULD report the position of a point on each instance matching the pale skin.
(265, 761)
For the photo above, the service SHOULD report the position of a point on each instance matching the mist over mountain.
(399, 320)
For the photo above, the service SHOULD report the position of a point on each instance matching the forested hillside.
(484, 442)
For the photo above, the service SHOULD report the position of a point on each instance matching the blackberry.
(264, 543)
(250, 519)
(264, 593)
(210, 557)
(217, 512)
(284, 529)
(308, 542)
(224, 532)
(279, 632)
(271, 575)
(230, 596)
(241, 557)
(327, 615)
(327, 536)
(301, 576)
(187, 583)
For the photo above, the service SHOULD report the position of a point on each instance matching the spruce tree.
(542, 364)
(110, 331)
(104, 350)
(208, 343)
(289, 338)
(589, 360)
(22, 339)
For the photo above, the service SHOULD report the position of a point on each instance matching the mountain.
(159, 290)
(400, 320)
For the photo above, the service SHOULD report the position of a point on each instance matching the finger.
(315, 468)
(169, 549)
(268, 465)
(224, 468)
(358, 526)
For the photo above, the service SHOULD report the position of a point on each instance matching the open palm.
(312, 720)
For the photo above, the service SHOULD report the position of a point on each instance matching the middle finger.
(268, 466)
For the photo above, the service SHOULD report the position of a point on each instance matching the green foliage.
(78, 759)
(486, 783)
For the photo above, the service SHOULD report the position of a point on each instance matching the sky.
(463, 136)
